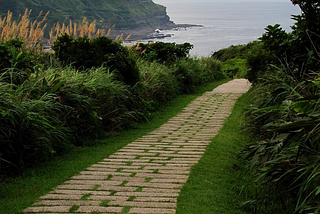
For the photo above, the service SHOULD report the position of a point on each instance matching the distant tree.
(299, 50)
(308, 23)
(311, 12)
(84, 53)
(163, 52)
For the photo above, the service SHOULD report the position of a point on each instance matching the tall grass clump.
(34, 32)
(157, 85)
(31, 130)
(188, 74)
(161, 82)
(57, 109)
(93, 101)
(212, 69)
(31, 32)
(191, 72)
(283, 164)
(82, 29)
(238, 61)
(16, 64)
(285, 161)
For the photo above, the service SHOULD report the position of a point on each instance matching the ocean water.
(225, 22)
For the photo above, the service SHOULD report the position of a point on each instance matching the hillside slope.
(123, 14)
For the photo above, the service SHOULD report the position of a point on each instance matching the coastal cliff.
(119, 14)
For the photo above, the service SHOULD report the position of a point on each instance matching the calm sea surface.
(225, 22)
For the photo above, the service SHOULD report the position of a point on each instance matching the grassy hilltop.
(121, 13)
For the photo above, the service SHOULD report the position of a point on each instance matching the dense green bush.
(233, 51)
(84, 53)
(31, 130)
(163, 52)
(259, 64)
(186, 72)
(54, 108)
(299, 49)
(235, 67)
(158, 82)
(284, 118)
(192, 72)
(243, 61)
(211, 69)
(284, 162)
(92, 102)
(15, 63)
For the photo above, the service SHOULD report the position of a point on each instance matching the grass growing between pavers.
(214, 184)
(23, 191)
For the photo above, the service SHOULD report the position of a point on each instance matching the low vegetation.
(240, 61)
(53, 102)
(22, 191)
(282, 167)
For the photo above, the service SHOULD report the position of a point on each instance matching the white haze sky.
(218, 1)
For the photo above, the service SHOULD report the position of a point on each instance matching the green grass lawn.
(215, 183)
(21, 192)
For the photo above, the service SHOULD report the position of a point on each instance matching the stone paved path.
(146, 175)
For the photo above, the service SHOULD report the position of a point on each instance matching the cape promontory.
(123, 14)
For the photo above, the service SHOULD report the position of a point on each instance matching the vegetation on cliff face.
(121, 13)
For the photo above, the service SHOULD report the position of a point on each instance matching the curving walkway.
(146, 175)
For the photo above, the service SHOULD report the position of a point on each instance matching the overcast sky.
(219, 1)
(201, 1)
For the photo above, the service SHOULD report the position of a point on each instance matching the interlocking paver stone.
(90, 209)
(47, 209)
(146, 175)
(151, 210)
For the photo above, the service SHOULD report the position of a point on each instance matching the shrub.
(244, 61)
(30, 128)
(192, 72)
(158, 82)
(235, 67)
(163, 52)
(92, 102)
(259, 64)
(284, 163)
(186, 73)
(56, 109)
(230, 52)
(16, 64)
(84, 53)
(237, 51)
(212, 69)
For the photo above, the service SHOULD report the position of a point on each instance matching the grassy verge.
(214, 184)
(23, 191)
